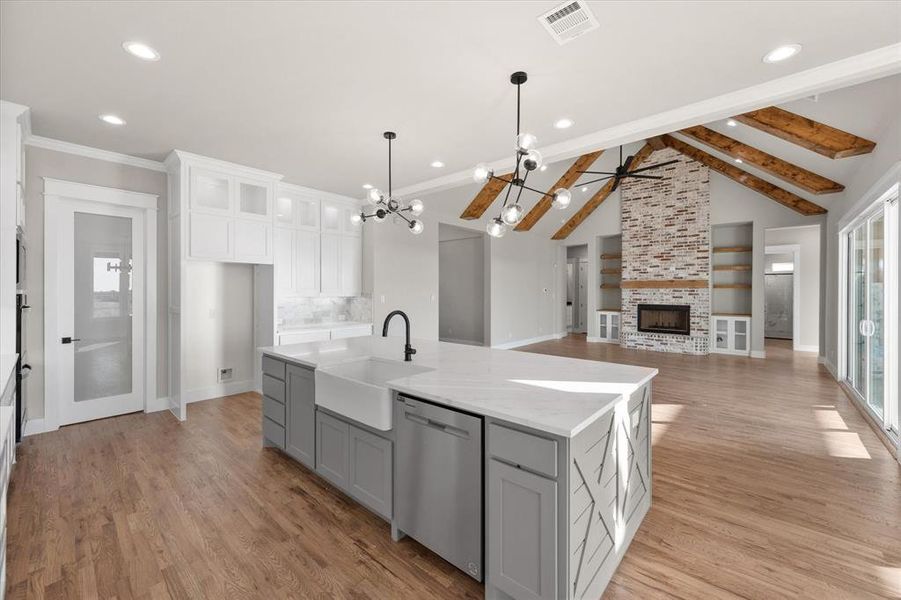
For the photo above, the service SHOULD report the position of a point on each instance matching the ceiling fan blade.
(593, 181)
(616, 181)
(628, 162)
(648, 168)
(644, 176)
(598, 172)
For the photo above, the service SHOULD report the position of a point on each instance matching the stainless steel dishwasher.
(438, 481)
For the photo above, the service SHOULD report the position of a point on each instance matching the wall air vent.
(568, 21)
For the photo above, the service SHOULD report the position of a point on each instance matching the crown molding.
(46, 143)
(853, 70)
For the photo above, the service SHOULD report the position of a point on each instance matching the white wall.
(218, 327)
(461, 287)
(809, 275)
(58, 165)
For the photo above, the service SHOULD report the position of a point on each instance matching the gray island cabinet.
(561, 503)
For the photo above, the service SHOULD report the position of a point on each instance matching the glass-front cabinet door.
(254, 199)
(210, 192)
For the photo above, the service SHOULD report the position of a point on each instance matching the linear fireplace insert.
(664, 318)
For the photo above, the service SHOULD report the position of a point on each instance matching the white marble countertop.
(323, 326)
(558, 395)
(7, 368)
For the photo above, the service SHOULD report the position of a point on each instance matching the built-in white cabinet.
(318, 250)
(730, 334)
(608, 326)
(228, 209)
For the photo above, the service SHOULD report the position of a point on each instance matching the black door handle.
(69, 340)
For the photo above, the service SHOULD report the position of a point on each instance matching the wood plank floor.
(767, 484)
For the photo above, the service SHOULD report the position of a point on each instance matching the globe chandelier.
(385, 205)
(527, 159)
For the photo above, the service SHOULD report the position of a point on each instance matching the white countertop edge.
(480, 410)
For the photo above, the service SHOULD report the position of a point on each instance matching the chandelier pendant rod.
(531, 189)
(389, 168)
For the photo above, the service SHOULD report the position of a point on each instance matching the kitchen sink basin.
(358, 390)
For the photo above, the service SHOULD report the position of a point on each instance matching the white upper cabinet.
(283, 261)
(307, 263)
(210, 192)
(347, 225)
(331, 264)
(254, 199)
(332, 214)
(229, 208)
(351, 266)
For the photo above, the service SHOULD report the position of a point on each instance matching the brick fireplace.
(666, 254)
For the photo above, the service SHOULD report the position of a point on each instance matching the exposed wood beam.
(598, 198)
(572, 174)
(784, 170)
(786, 198)
(807, 133)
(656, 143)
(484, 198)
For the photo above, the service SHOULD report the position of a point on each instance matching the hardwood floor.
(767, 484)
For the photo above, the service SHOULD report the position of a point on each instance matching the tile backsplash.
(299, 312)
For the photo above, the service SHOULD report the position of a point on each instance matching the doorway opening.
(577, 288)
(779, 297)
(463, 303)
(793, 289)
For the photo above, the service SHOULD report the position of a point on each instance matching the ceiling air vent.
(568, 21)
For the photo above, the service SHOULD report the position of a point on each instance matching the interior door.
(99, 306)
(778, 294)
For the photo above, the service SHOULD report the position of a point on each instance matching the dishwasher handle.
(446, 428)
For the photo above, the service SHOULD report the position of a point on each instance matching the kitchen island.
(564, 445)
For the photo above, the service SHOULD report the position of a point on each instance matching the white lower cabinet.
(730, 334)
(608, 326)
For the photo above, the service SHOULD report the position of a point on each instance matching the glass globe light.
(512, 214)
(416, 227)
(562, 198)
(356, 219)
(374, 196)
(380, 215)
(525, 142)
(482, 173)
(532, 160)
(496, 228)
(416, 207)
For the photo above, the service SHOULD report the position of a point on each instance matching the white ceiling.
(306, 89)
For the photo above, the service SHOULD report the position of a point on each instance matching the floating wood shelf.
(737, 286)
(607, 256)
(728, 314)
(731, 267)
(610, 286)
(611, 271)
(732, 249)
(665, 283)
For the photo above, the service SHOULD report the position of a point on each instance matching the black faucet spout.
(409, 350)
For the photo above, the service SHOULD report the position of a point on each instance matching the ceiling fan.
(622, 171)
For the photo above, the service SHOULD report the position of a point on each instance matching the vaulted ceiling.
(306, 88)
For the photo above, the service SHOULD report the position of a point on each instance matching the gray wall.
(461, 285)
(58, 165)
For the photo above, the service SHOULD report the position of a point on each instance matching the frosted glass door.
(722, 334)
(253, 200)
(98, 261)
(740, 338)
(210, 192)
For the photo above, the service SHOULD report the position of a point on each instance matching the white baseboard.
(158, 405)
(802, 348)
(526, 342)
(36, 426)
(222, 389)
(758, 353)
(464, 342)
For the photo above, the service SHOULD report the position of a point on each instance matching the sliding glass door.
(871, 244)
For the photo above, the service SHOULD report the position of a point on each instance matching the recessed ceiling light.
(732, 123)
(437, 164)
(367, 186)
(563, 123)
(781, 53)
(585, 188)
(543, 168)
(112, 119)
(739, 161)
(141, 50)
